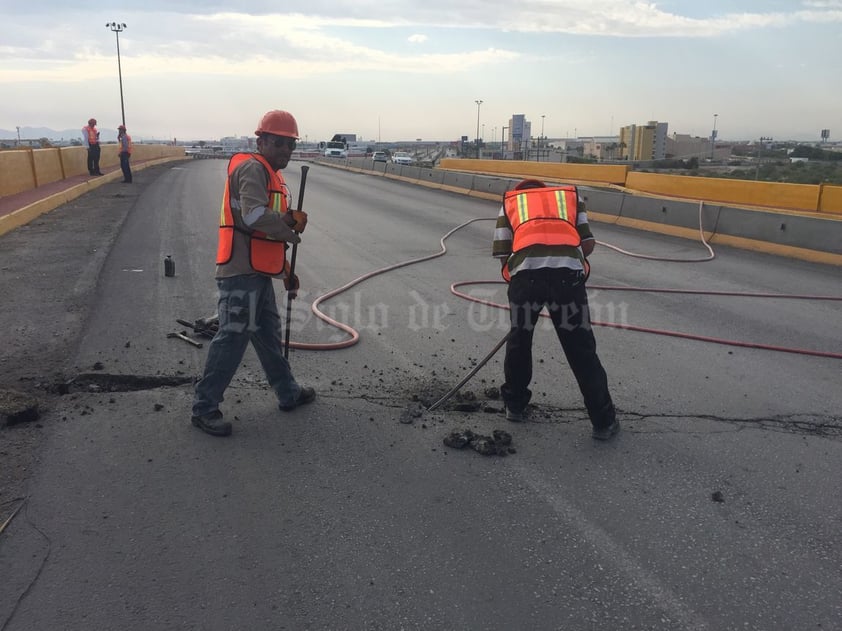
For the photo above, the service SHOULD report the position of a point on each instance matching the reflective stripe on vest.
(266, 255)
(543, 216)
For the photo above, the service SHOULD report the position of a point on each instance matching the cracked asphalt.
(714, 508)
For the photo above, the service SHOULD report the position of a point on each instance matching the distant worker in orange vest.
(125, 142)
(90, 138)
(542, 238)
(255, 226)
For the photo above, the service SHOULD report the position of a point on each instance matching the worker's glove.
(292, 286)
(300, 218)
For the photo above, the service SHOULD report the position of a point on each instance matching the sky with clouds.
(403, 69)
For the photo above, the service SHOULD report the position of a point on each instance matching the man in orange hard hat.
(90, 139)
(542, 238)
(255, 226)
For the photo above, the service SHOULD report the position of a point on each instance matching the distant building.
(520, 131)
(684, 146)
(644, 142)
(601, 147)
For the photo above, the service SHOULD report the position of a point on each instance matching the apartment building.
(644, 142)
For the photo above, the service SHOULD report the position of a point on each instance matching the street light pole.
(478, 102)
(759, 147)
(713, 137)
(118, 27)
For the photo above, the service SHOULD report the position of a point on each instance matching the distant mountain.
(36, 133)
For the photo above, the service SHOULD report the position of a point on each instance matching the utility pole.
(713, 137)
(478, 102)
(118, 27)
(759, 146)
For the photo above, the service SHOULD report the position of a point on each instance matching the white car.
(401, 157)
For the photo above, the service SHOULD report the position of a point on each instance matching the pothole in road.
(104, 382)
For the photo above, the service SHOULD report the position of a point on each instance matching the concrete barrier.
(24, 169)
(609, 203)
(492, 187)
(830, 199)
(803, 197)
(457, 182)
(554, 171)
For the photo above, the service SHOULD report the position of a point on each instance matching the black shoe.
(515, 416)
(212, 423)
(306, 395)
(606, 433)
(99, 173)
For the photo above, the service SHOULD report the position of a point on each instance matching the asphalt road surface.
(717, 507)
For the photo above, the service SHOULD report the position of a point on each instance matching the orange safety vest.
(266, 255)
(543, 216)
(93, 136)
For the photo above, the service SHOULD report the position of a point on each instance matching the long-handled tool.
(476, 368)
(183, 336)
(290, 292)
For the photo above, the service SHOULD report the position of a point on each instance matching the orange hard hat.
(279, 123)
(91, 121)
(524, 184)
(123, 127)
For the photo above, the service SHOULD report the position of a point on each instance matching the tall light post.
(759, 147)
(713, 136)
(478, 102)
(118, 27)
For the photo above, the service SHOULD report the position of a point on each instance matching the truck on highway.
(336, 147)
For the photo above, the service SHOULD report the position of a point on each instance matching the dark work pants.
(563, 292)
(124, 164)
(93, 159)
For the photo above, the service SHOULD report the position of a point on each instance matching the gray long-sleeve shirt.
(249, 200)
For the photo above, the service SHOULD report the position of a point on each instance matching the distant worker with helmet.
(542, 238)
(255, 226)
(125, 142)
(90, 139)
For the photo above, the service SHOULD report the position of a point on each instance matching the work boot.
(515, 416)
(606, 433)
(212, 423)
(305, 395)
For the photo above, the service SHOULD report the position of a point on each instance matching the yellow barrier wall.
(830, 200)
(20, 168)
(47, 166)
(741, 192)
(609, 173)
(15, 172)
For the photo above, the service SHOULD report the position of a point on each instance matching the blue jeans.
(247, 313)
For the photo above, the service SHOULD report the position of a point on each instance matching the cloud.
(417, 39)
